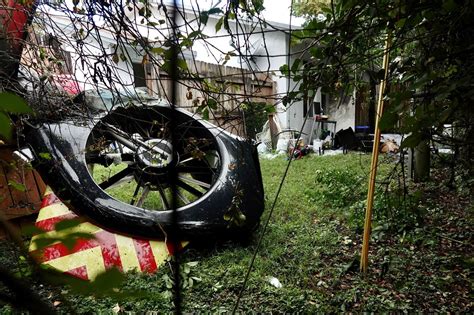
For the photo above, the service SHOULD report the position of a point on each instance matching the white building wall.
(343, 113)
(212, 50)
(276, 45)
(263, 46)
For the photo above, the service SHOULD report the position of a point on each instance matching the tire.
(217, 175)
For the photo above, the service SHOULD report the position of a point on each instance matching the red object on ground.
(88, 257)
(67, 83)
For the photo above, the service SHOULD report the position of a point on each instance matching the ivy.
(10, 104)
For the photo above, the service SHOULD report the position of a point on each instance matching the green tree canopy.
(431, 68)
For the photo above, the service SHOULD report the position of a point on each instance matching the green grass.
(312, 245)
(125, 191)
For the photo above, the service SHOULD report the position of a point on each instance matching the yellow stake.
(364, 257)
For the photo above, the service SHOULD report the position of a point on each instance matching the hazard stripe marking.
(48, 225)
(79, 272)
(127, 252)
(90, 257)
(85, 227)
(53, 210)
(49, 198)
(145, 255)
(160, 250)
(108, 246)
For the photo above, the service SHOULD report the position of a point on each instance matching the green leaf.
(158, 50)
(5, 126)
(45, 155)
(316, 52)
(348, 4)
(400, 23)
(205, 114)
(411, 141)
(166, 66)
(315, 25)
(269, 109)
(12, 103)
(258, 5)
(16, 185)
(388, 120)
(115, 58)
(204, 17)
(285, 70)
(219, 24)
(212, 104)
(194, 34)
(181, 63)
(186, 269)
(214, 11)
(186, 43)
(108, 280)
(295, 66)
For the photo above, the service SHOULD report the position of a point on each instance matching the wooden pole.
(364, 257)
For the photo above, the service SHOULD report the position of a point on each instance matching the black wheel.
(131, 157)
(118, 170)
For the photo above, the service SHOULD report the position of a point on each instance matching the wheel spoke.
(134, 145)
(121, 139)
(189, 188)
(108, 158)
(182, 197)
(135, 194)
(163, 198)
(116, 178)
(195, 169)
(186, 160)
(194, 181)
(145, 192)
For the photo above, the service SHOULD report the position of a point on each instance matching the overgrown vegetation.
(312, 246)
(430, 70)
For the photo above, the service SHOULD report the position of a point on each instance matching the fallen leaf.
(116, 308)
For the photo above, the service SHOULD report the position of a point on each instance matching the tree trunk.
(422, 162)
(273, 130)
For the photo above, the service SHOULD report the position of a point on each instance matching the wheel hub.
(155, 157)
(155, 153)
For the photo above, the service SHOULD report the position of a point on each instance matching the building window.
(139, 74)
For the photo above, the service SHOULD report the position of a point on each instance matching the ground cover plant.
(420, 255)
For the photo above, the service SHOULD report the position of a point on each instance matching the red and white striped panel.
(90, 257)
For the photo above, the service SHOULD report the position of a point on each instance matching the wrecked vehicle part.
(220, 178)
(116, 170)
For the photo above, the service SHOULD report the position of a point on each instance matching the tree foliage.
(431, 68)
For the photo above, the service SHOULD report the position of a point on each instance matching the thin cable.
(175, 231)
(260, 240)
